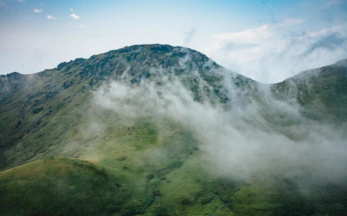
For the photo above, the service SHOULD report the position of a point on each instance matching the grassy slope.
(60, 186)
(161, 173)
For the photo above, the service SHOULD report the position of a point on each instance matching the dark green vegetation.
(63, 154)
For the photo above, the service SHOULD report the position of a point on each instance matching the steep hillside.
(162, 130)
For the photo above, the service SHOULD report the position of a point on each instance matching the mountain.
(32, 102)
(162, 130)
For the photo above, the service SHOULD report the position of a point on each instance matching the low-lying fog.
(242, 139)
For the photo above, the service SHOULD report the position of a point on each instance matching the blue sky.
(266, 40)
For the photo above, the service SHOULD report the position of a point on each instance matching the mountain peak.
(143, 52)
(133, 63)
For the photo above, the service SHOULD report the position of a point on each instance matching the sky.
(266, 40)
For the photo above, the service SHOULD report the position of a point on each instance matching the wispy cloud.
(254, 35)
(38, 10)
(289, 22)
(261, 52)
(323, 32)
(232, 47)
(74, 16)
(329, 42)
(51, 17)
(189, 36)
(247, 36)
(20, 1)
(71, 9)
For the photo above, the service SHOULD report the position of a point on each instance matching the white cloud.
(256, 36)
(81, 26)
(323, 31)
(253, 35)
(71, 9)
(289, 22)
(267, 55)
(50, 17)
(38, 10)
(74, 16)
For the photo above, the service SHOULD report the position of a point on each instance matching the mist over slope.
(184, 135)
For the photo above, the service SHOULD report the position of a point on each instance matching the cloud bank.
(244, 140)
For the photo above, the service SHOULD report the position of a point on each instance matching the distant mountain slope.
(321, 92)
